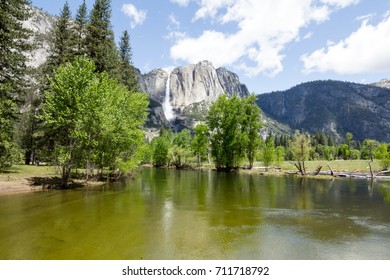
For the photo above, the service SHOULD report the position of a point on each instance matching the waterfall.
(167, 107)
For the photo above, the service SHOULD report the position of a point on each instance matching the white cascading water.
(167, 107)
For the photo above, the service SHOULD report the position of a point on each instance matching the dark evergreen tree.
(127, 72)
(13, 84)
(100, 39)
(81, 23)
(63, 44)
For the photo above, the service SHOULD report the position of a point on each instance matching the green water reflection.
(168, 214)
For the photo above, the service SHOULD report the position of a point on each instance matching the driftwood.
(317, 170)
(331, 170)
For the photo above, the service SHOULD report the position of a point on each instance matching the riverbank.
(27, 178)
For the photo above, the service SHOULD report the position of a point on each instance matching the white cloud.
(264, 28)
(174, 29)
(182, 3)
(365, 50)
(340, 3)
(308, 35)
(137, 16)
(209, 8)
(174, 23)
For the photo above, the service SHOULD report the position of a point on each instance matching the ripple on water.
(371, 225)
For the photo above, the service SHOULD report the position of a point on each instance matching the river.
(169, 214)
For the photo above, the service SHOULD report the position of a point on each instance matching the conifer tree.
(128, 77)
(81, 22)
(13, 45)
(100, 39)
(63, 45)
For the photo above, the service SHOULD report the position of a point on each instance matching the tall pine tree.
(13, 45)
(127, 73)
(81, 22)
(100, 39)
(63, 45)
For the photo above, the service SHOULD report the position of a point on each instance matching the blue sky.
(271, 44)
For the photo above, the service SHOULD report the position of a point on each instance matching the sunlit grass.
(336, 165)
(17, 172)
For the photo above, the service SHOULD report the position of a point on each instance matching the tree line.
(230, 138)
(82, 108)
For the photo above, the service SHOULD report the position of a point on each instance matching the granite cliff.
(189, 90)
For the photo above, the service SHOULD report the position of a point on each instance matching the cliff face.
(41, 24)
(190, 90)
(194, 83)
(333, 107)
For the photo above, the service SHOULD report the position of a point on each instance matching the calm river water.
(168, 214)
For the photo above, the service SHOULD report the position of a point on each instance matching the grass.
(337, 165)
(18, 172)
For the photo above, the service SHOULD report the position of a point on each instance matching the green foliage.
(369, 149)
(100, 39)
(300, 149)
(13, 85)
(251, 123)
(279, 154)
(160, 151)
(80, 26)
(92, 119)
(179, 153)
(200, 143)
(226, 135)
(63, 42)
(127, 71)
(267, 152)
(233, 126)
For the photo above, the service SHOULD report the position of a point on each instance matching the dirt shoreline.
(19, 186)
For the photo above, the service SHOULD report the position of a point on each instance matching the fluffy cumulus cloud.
(137, 16)
(263, 29)
(365, 50)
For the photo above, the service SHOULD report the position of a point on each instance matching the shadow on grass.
(53, 183)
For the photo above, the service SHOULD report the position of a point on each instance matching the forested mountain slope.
(334, 107)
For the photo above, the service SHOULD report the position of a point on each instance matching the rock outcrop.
(383, 84)
(41, 24)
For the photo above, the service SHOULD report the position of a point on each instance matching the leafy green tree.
(13, 84)
(382, 153)
(127, 71)
(226, 136)
(160, 146)
(300, 149)
(100, 39)
(369, 149)
(252, 123)
(267, 152)
(200, 142)
(180, 151)
(92, 119)
(233, 128)
(279, 154)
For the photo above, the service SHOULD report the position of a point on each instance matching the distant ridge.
(334, 107)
